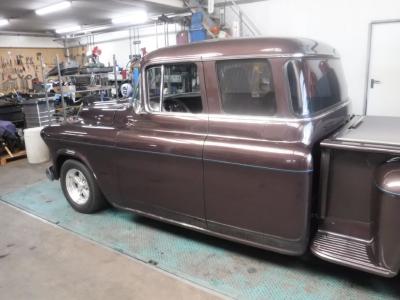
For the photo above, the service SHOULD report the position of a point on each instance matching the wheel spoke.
(77, 186)
(85, 193)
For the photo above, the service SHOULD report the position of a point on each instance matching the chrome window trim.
(201, 58)
(261, 119)
(146, 99)
(162, 87)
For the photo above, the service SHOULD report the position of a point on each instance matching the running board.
(348, 252)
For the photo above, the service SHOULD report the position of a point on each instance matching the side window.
(153, 75)
(180, 90)
(246, 87)
(315, 85)
(294, 77)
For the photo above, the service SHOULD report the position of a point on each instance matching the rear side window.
(246, 87)
(315, 85)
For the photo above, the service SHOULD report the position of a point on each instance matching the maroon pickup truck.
(250, 140)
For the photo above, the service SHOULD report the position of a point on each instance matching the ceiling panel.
(98, 12)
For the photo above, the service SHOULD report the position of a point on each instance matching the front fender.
(63, 154)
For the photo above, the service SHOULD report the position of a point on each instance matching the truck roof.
(242, 47)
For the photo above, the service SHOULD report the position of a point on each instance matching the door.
(255, 188)
(160, 164)
(383, 96)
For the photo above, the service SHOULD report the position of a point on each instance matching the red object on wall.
(96, 52)
(123, 73)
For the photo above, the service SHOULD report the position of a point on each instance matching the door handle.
(373, 82)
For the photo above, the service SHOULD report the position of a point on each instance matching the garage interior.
(58, 57)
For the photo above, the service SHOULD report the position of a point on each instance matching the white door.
(383, 96)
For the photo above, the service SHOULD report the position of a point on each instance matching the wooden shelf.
(12, 156)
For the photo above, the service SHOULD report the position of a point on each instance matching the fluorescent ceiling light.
(137, 17)
(68, 29)
(53, 8)
(3, 22)
(93, 29)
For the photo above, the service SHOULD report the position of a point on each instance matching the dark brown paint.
(250, 179)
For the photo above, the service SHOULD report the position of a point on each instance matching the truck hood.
(100, 113)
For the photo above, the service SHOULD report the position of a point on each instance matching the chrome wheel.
(77, 186)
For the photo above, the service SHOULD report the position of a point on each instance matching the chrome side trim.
(204, 230)
(279, 119)
(259, 119)
(258, 166)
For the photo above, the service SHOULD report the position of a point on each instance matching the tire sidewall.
(90, 205)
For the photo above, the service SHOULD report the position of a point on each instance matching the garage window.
(246, 87)
(174, 88)
(315, 85)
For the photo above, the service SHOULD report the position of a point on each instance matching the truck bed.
(358, 198)
(368, 133)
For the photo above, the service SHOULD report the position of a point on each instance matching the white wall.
(19, 41)
(118, 42)
(340, 23)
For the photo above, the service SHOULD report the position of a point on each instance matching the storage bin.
(197, 18)
(197, 21)
(197, 35)
(36, 150)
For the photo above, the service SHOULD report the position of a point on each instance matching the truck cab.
(242, 126)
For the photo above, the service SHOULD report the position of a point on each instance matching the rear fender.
(387, 214)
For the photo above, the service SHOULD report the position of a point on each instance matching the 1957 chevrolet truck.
(250, 140)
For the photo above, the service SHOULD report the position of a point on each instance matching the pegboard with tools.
(20, 67)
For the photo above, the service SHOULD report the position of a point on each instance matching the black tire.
(95, 201)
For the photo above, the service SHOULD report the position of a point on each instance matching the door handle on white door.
(373, 82)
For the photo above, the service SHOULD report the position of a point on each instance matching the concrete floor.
(41, 261)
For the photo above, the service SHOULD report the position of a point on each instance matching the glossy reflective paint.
(387, 245)
(250, 179)
(360, 199)
(159, 163)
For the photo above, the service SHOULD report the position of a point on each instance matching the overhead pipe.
(113, 28)
(27, 33)
(126, 38)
